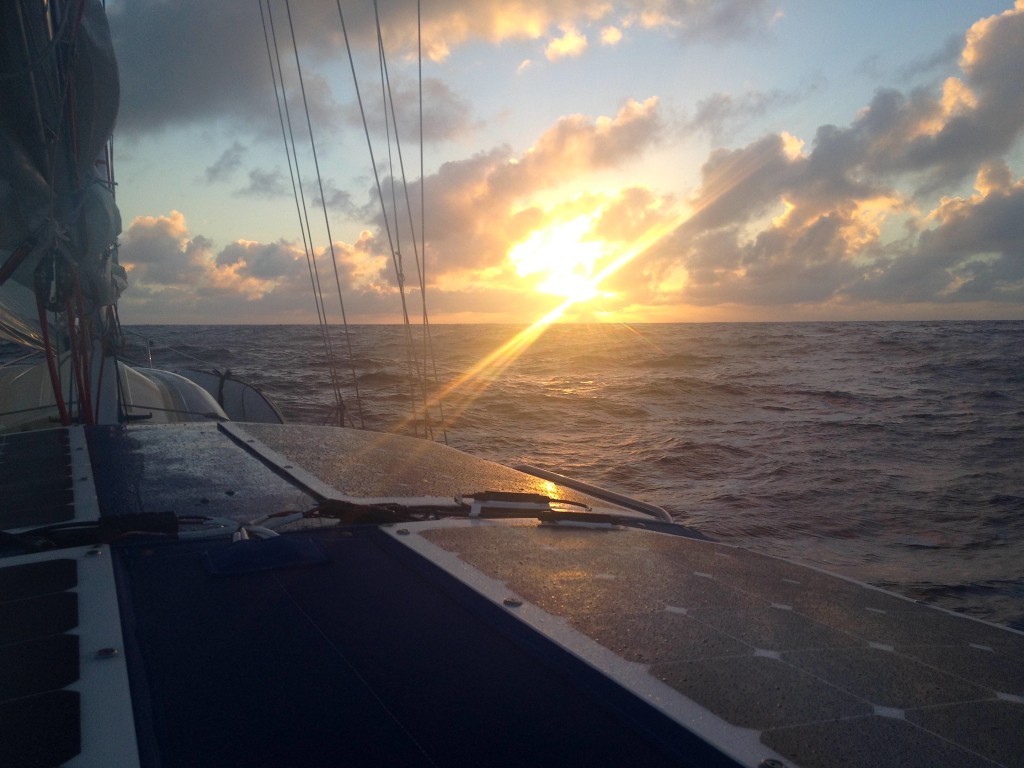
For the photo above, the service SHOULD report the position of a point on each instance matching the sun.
(564, 257)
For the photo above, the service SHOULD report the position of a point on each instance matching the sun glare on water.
(572, 266)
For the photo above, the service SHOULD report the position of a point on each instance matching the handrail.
(601, 493)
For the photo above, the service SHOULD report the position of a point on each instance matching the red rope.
(51, 363)
(85, 353)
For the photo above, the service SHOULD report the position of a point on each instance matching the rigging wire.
(428, 351)
(327, 223)
(298, 191)
(412, 361)
(57, 80)
(300, 207)
(379, 186)
(428, 341)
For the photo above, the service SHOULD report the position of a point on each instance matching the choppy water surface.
(889, 452)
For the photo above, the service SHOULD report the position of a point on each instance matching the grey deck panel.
(828, 671)
(363, 464)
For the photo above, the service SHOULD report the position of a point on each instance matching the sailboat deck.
(453, 641)
(826, 671)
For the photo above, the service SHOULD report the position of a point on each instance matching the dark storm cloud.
(188, 62)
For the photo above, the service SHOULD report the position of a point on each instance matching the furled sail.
(58, 220)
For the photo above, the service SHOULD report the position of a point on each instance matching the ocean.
(889, 452)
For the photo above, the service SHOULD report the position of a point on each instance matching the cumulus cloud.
(871, 211)
(174, 271)
(611, 35)
(572, 43)
(973, 253)
(481, 205)
(773, 224)
(160, 252)
(479, 208)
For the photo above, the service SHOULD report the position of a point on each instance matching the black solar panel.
(35, 479)
(31, 579)
(39, 723)
(40, 730)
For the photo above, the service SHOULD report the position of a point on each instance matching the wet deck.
(825, 671)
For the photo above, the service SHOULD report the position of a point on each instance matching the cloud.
(264, 261)
(974, 253)
(873, 212)
(974, 119)
(572, 43)
(225, 165)
(480, 206)
(266, 184)
(190, 62)
(160, 253)
(452, 23)
(709, 19)
(611, 35)
(478, 209)
(719, 113)
(942, 59)
(175, 272)
(775, 225)
(446, 114)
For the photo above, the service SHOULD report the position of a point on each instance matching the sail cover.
(58, 101)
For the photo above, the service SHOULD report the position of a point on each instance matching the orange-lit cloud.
(174, 270)
(571, 43)
(874, 210)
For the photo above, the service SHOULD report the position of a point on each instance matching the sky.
(582, 160)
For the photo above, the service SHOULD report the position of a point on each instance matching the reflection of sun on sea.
(573, 265)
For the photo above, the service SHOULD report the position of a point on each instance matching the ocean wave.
(889, 451)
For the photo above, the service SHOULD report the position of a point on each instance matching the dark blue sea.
(888, 452)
